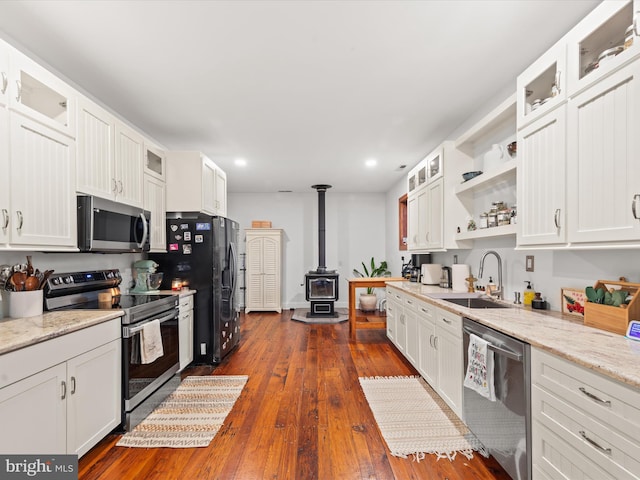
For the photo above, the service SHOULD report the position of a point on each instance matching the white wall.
(355, 231)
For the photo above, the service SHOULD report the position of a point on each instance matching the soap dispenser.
(529, 294)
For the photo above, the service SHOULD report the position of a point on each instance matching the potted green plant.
(369, 300)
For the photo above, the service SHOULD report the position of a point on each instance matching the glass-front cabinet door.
(541, 87)
(40, 95)
(604, 41)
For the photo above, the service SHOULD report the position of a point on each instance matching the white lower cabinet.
(584, 425)
(411, 330)
(185, 330)
(428, 355)
(62, 405)
(431, 339)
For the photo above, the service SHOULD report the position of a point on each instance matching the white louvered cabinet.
(154, 203)
(263, 270)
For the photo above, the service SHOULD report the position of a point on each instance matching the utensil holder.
(24, 304)
(610, 318)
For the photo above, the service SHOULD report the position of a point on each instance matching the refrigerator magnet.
(186, 249)
(187, 236)
(173, 247)
(199, 238)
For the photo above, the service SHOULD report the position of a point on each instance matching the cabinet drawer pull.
(448, 322)
(556, 218)
(20, 219)
(633, 206)
(64, 390)
(435, 342)
(5, 82)
(19, 88)
(423, 310)
(73, 385)
(594, 397)
(594, 444)
(5, 218)
(114, 185)
(120, 186)
(431, 340)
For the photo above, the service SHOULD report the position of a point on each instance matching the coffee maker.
(412, 269)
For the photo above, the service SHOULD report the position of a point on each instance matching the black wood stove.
(321, 285)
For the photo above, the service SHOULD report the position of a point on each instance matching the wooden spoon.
(18, 279)
(31, 283)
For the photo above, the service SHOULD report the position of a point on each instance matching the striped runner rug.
(189, 417)
(415, 421)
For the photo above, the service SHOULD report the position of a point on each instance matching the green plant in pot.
(369, 300)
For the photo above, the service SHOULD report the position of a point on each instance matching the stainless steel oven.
(144, 385)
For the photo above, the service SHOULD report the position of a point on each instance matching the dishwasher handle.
(495, 348)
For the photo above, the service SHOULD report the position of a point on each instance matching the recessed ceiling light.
(240, 162)
(372, 162)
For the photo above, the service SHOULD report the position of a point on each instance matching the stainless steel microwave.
(107, 226)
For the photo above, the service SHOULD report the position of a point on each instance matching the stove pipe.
(322, 268)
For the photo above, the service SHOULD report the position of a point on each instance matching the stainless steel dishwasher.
(503, 426)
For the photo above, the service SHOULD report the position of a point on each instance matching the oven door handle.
(128, 332)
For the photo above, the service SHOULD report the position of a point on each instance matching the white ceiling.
(305, 91)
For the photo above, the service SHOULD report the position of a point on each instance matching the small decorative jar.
(484, 220)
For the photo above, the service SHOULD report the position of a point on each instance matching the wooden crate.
(260, 224)
(610, 318)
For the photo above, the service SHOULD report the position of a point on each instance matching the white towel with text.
(151, 342)
(479, 376)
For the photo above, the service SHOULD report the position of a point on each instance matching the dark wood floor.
(302, 415)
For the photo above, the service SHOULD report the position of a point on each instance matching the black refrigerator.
(202, 250)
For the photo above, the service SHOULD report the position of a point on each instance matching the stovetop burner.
(83, 291)
(123, 302)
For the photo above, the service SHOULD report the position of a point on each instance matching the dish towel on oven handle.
(151, 342)
(479, 376)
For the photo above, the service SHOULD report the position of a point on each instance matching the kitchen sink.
(476, 302)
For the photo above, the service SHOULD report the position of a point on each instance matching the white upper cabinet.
(603, 174)
(435, 215)
(129, 147)
(541, 180)
(155, 160)
(40, 95)
(4, 73)
(96, 151)
(195, 184)
(43, 202)
(155, 204)
(5, 178)
(601, 43)
(542, 86)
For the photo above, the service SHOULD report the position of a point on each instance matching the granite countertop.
(16, 333)
(566, 336)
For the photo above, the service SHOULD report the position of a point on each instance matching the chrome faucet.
(498, 292)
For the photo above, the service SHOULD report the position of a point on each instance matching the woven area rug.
(189, 417)
(415, 421)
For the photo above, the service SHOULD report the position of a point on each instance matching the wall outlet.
(529, 263)
(203, 349)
